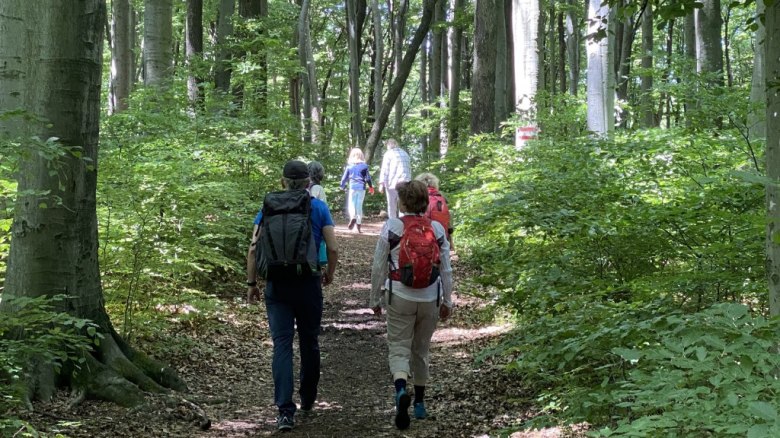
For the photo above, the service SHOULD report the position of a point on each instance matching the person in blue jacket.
(358, 177)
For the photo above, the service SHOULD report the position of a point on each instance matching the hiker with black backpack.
(412, 262)
(287, 234)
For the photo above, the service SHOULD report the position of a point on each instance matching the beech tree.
(121, 55)
(194, 49)
(311, 95)
(353, 37)
(224, 31)
(525, 17)
(158, 41)
(756, 114)
(51, 62)
(483, 87)
(772, 72)
(601, 74)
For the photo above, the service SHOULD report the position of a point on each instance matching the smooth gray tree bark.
(311, 95)
(772, 70)
(158, 42)
(50, 67)
(356, 121)
(222, 68)
(483, 95)
(121, 56)
(647, 116)
(601, 74)
(573, 44)
(399, 29)
(193, 45)
(756, 123)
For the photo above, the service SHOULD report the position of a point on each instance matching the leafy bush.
(30, 329)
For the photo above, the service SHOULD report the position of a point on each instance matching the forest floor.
(227, 366)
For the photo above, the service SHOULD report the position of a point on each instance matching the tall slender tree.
(483, 94)
(757, 114)
(601, 74)
(356, 122)
(194, 50)
(398, 52)
(311, 95)
(573, 44)
(647, 113)
(772, 70)
(525, 20)
(222, 69)
(121, 55)
(158, 42)
(50, 62)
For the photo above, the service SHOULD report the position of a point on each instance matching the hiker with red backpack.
(412, 261)
(437, 205)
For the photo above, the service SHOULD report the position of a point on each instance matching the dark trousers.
(290, 304)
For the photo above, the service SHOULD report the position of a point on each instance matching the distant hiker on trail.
(358, 177)
(415, 252)
(437, 205)
(287, 232)
(316, 175)
(396, 168)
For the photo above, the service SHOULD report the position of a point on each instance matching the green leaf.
(763, 410)
(91, 330)
(630, 355)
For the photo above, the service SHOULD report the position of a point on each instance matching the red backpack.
(437, 209)
(418, 257)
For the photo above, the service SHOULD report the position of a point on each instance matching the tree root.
(117, 373)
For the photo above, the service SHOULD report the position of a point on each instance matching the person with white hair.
(396, 168)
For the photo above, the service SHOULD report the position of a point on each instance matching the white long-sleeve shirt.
(391, 232)
(396, 168)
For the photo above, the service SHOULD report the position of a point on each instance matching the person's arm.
(379, 270)
(344, 177)
(383, 172)
(445, 270)
(333, 253)
(253, 291)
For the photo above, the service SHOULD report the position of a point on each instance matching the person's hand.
(381, 188)
(252, 294)
(371, 190)
(444, 312)
(327, 278)
(377, 310)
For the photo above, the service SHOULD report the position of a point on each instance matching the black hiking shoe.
(402, 402)
(285, 422)
(352, 224)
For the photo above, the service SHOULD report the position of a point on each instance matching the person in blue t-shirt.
(295, 302)
(358, 177)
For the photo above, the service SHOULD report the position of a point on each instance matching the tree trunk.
(379, 56)
(436, 73)
(647, 116)
(483, 111)
(601, 74)
(121, 56)
(398, 83)
(222, 69)
(358, 137)
(311, 96)
(50, 66)
(624, 62)
(455, 61)
(194, 50)
(158, 42)
(709, 52)
(525, 20)
(398, 52)
(424, 90)
(727, 46)
(561, 53)
(573, 45)
(502, 109)
(772, 59)
(757, 114)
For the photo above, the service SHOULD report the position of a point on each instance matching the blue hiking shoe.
(419, 411)
(402, 402)
(285, 422)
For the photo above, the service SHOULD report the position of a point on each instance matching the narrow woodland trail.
(226, 364)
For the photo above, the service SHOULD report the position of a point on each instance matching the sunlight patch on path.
(457, 335)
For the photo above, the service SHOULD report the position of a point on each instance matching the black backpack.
(285, 248)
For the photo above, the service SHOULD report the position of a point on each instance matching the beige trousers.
(410, 326)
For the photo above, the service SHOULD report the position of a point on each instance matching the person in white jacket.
(396, 168)
(412, 313)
